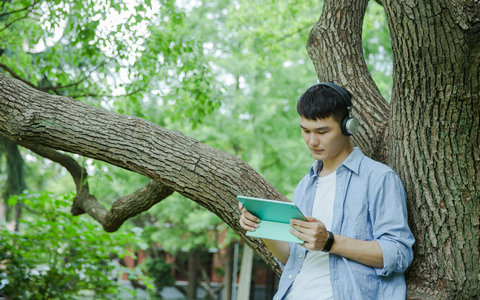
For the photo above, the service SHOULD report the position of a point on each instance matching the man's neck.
(331, 165)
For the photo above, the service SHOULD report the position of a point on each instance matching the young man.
(357, 240)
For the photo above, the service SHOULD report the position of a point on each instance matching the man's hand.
(247, 221)
(312, 231)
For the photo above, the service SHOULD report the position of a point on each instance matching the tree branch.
(138, 90)
(339, 30)
(60, 87)
(29, 8)
(57, 87)
(293, 32)
(16, 76)
(121, 210)
(466, 14)
(18, 10)
(206, 284)
(206, 175)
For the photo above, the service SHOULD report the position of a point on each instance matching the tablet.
(274, 218)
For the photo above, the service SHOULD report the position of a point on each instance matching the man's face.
(324, 138)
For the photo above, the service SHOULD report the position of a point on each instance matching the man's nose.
(313, 140)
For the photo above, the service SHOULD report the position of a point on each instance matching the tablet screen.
(271, 210)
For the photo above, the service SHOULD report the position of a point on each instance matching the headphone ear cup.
(344, 126)
(349, 126)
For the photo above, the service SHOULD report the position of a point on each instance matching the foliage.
(160, 271)
(377, 48)
(258, 50)
(57, 256)
(119, 55)
(181, 224)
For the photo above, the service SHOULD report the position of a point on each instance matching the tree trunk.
(432, 133)
(15, 180)
(335, 47)
(192, 275)
(435, 145)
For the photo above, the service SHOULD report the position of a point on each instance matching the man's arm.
(315, 235)
(279, 249)
(365, 252)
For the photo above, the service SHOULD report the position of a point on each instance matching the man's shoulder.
(305, 179)
(303, 183)
(374, 169)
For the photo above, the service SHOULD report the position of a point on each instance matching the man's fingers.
(248, 215)
(247, 220)
(251, 224)
(303, 233)
(300, 224)
(311, 223)
(312, 231)
(304, 237)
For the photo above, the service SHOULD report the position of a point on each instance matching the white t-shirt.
(313, 280)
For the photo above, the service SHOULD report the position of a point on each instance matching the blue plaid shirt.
(369, 205)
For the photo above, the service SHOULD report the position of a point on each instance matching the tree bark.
(430, 129)
(435, 143)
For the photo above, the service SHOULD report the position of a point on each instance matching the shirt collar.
(352, 162)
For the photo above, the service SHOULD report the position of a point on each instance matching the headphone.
(349, 124)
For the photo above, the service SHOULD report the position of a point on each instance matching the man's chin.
(317, 156)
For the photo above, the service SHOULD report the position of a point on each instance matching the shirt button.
(290, 276)
(300, 256)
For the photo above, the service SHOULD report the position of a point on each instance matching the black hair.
(320, 102)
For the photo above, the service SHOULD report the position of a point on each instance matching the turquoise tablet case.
(274, 218)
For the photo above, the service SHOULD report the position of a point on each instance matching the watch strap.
(329, 243)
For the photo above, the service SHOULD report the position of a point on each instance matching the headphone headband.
(349, 124)
(345, 96)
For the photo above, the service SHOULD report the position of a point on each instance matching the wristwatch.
(329, 243)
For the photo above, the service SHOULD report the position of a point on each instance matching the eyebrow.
(316, 129)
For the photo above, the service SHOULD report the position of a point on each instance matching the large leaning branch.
(122, 209)
(209, 177)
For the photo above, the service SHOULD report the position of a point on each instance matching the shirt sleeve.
(390, 224)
